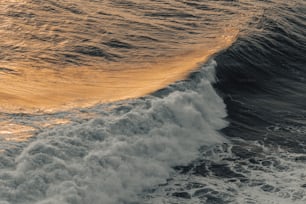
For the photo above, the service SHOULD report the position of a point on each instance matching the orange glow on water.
(27, 89)
(15, 132)
(57, 56)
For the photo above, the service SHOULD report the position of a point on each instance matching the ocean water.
(152, 102)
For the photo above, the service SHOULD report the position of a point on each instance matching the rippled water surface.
(76, 53)
(164, 101)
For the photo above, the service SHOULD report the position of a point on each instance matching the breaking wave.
(121, 152)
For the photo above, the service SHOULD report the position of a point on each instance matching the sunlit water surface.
(168, 101)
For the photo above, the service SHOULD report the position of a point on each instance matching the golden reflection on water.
(53, 122)
(26, 89)
(59, 55)
(15, 132)
(73, 53)
(12, 131)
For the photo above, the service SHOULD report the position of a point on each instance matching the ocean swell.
(112, 158)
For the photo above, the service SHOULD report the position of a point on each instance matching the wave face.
(262, 81)
(117, 102)
(73, 53)
(122, 151)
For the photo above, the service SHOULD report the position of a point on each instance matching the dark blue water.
(262, 79)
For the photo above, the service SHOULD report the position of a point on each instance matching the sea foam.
(123, 151)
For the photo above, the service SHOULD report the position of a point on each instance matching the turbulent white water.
(123, 151)
(78, 124)
(274, 177)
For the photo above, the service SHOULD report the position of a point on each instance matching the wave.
(262, 78)
(34, 90)
(175, 145)
(120, 153)
(64, 55)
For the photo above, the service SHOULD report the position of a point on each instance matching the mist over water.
(169, 101)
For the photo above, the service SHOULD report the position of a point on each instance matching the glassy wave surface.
(181, 101)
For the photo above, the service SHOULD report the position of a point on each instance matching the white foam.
(112, 158)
